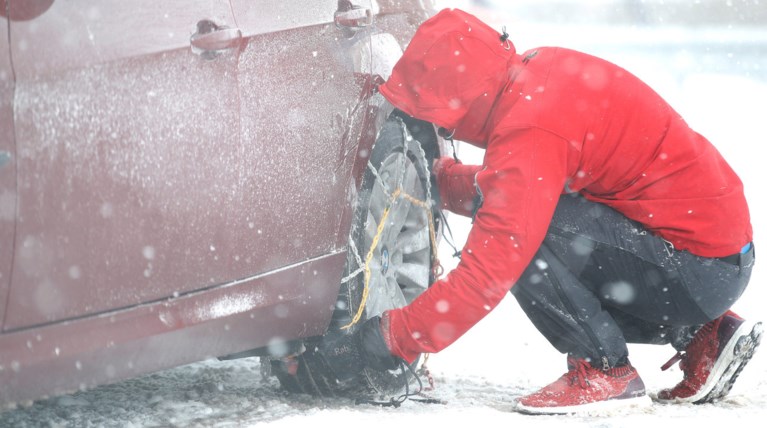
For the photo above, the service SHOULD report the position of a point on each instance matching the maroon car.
(186, 179)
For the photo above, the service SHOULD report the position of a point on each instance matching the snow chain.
(436, 267)
(364, 267)
(418, 396)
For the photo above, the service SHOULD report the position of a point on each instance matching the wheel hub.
(384, 260)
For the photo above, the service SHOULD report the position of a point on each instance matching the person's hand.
(441, 162)
(349, 354)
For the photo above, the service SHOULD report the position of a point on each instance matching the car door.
(127, 136)
(7, 162)
(304, 82)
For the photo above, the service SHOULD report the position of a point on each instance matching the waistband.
(735, 258)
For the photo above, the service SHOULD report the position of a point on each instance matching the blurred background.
(636, 12)
(727, 36)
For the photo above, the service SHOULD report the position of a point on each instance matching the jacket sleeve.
(521, 181)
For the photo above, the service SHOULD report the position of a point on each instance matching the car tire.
(400, 263)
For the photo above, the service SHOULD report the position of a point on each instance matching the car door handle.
(210, 37)
(353, 18)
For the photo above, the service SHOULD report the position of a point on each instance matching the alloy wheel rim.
(400, 265)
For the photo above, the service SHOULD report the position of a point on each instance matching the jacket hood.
(453, 69)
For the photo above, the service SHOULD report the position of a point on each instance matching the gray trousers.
(600, 281)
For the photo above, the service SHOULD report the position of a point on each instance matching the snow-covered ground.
(715, 76)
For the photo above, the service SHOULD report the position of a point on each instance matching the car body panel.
(82, 353)
(108, 192)
(7, 167)
(300, 94)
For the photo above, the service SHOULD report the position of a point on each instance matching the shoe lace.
(683, 356)
(579, 373)
(678, 356)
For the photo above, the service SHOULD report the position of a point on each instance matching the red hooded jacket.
(551, 121)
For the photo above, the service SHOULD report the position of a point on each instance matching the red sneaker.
(587, 389)
(713, 360)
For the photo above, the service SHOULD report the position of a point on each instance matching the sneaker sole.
(599, 407)
(739, 353)
(733, 358)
